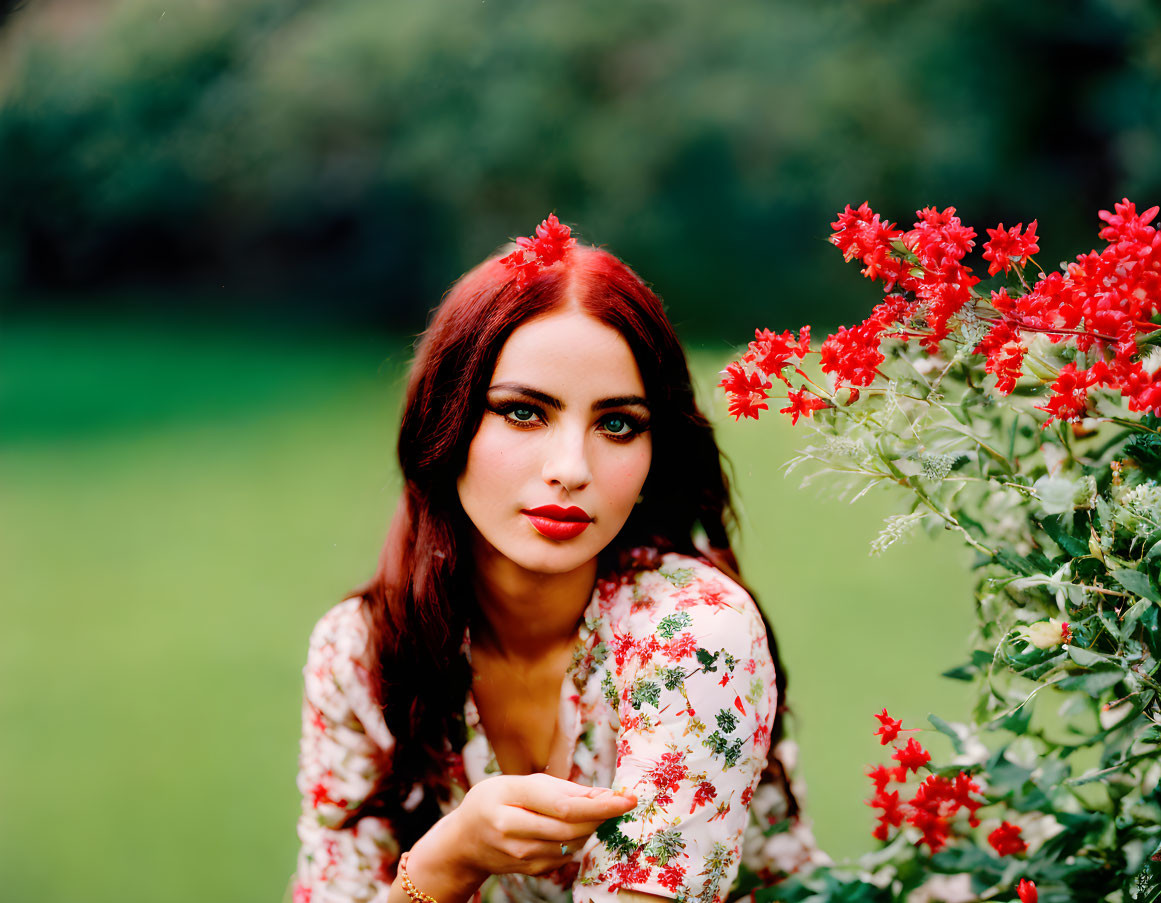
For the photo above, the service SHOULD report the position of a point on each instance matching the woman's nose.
(567, 462)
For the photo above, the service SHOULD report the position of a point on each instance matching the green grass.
(177, 507)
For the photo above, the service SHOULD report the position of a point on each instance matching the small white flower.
(945, 889)
(1151, 362)
(1044, 634)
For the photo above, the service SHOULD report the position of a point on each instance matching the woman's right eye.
(519, 414)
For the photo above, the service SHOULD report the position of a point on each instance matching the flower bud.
(1044, 634)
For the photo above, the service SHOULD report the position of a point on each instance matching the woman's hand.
(516, 823)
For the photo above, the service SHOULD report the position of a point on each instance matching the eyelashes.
(523, 415)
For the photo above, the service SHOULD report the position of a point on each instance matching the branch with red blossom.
(1100, 308)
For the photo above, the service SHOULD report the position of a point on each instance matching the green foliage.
(1066, 523)
(355, 146)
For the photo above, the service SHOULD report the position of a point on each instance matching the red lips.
(554, 522)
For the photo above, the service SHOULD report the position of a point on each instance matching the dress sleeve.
(345, 749)
(694, 689)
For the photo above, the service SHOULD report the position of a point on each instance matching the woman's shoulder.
(338, 674)
(345, 627)
(660, 589)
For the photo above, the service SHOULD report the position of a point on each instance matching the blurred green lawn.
(179, 504)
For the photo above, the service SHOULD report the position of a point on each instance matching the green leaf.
(1133, 615)
(1137, 582)
(1017, 721)
(1145, 448)
(1018, 564)
(981, 659)
(1071, 545)
(1092, 682)
(1005, 776)
(1086, 658)
(1151, 622)
(944, 728)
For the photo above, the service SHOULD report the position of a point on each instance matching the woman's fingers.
(569, 802)
(519, 822)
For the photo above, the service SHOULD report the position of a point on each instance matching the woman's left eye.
(619, 425)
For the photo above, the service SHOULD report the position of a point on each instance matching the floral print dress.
(670, 694)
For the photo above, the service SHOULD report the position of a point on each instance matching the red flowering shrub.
(1023, 416)
(1100, 309)
(933, 803)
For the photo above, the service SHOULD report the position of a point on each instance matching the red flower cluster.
(888, 728)
(745, 380)
(1101, 304)
(1008, 248)
(549, 244)
(1006, 840)
(934, 803)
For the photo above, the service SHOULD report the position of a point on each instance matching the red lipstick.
(558, 523)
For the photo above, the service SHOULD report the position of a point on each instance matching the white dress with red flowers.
(670, 694)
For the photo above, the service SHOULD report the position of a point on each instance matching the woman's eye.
(520, 414)
(618, 425)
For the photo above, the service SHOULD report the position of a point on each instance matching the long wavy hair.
(419, 599)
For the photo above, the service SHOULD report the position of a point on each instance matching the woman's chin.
(546, 556)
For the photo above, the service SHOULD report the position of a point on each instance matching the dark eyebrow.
(531, 393)
(555, 403)
(620, 401)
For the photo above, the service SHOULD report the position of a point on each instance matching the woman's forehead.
(569, 350)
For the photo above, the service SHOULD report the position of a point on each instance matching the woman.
(547, 690)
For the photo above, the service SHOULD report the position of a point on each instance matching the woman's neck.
(522, 615)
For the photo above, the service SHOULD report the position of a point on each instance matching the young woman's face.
(563, 447)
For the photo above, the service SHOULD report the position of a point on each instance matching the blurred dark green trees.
(357, 155)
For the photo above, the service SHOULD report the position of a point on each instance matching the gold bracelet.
(412, 891)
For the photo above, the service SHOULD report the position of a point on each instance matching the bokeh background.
(222, 225)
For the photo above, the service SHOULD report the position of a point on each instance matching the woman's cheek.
(493, 449)
(626, 478)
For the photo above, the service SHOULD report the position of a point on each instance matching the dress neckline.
(482, 763)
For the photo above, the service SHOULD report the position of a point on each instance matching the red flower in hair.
(549, 245)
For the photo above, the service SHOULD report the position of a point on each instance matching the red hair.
(417, 598)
